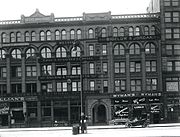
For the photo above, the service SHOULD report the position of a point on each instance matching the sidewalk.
(88, 128)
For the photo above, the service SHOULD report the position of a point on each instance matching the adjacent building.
(125, 66)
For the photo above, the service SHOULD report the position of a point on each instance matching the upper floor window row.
(135, 49)
(171, 2)
(134, 31)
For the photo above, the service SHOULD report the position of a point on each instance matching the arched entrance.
(99, 114)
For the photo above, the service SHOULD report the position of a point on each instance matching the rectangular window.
(175, 16)
(46, 109)
(104, 50)
(61, 70)
(176, 33)
(120, 67)
(135, 66)
(176, 49)
(16, 88)
(136, 85)
(31, 71)
(15, 71)
(150, 66)
(46, 87)
(151, 84)
(3, 89)
(31, 88)
(168, 33)
(91, 50)
(92, 85)
(3, 72)
(105, 67)
(169, 66)
(177, 65)
(105, 86)
(76, 86)
(175, 2)
(167, 16)
(46, 70)
(91, 68)
(167, 3)
(120, 85)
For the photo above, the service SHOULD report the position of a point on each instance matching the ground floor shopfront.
(37, 111)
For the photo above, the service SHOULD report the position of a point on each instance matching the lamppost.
(82, 123)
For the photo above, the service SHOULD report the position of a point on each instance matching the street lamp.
(75, 45)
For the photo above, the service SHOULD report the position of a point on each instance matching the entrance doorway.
(99, 114)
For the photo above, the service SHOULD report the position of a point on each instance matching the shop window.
(46, 109)
(32, 109)
(61, 52)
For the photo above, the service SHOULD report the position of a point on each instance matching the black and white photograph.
(90, 68)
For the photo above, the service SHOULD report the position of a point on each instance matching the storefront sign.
(136, 95)
(155, 109)
(139, 107)
(11, 99)
(122, 111)
(4, 108)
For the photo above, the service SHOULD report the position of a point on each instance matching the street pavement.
(158, 130)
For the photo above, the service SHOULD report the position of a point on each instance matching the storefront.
(141, 106)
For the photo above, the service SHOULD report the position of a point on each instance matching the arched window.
(131, 31)
(103, 32)
(57, 35)
(79, 35)
(134, 49)
(146, 30)
(3, 37)
(27, 36)
(61, 52)
(119, 49)
(63, 34)
(30, 52)
(18, 37)
(42, 36)
(75, 52)
(121, 32)
(12, 37)
(16, 54)
(115, 32)
(2, 54)
(33, 36)
(46, 52)
(72, 34)
(137, 31)
(48, 35)
(150, 48)
(153, 29)
(91, 33)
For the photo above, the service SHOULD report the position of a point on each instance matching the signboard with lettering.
(155, 108)
(11, 99)
(172, 86)
(121, 111)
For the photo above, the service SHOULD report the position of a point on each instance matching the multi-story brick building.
(118, 62)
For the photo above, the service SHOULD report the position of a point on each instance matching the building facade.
(118, 62)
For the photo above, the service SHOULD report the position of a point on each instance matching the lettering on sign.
(11, 99)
